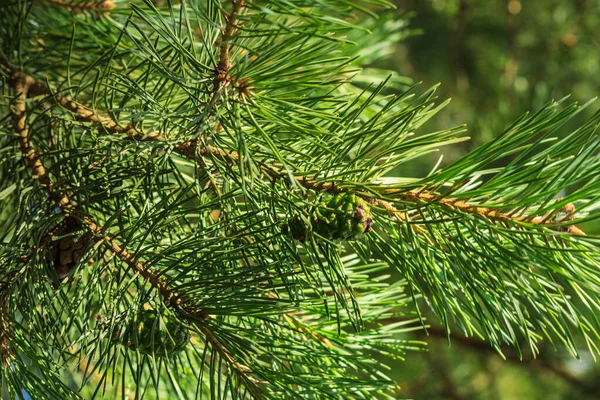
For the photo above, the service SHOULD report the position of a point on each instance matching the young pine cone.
(149, 336)
(67, 251)
(344, 217)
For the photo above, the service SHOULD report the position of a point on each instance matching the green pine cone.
(344, 217)
(321, 226)
(150, 337)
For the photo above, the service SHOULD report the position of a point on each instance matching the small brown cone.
(67, 251)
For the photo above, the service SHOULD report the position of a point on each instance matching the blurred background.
(496, 59)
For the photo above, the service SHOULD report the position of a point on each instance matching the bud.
(296, 228)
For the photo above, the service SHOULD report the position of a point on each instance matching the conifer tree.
(208, 199)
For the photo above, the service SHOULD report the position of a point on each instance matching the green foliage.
(186, 135)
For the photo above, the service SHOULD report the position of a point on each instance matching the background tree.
(214, 200)
(515, 56)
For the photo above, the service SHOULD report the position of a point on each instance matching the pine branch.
(193, 148)
(455, 204)
(473, 240)
(21, 84)
(224, 64)
(190, 149)
(417, 197)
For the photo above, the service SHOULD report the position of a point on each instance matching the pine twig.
(167, 294)
(192, 148)
(223, 67)
(21, 84)
(188, 150)
(416, 196)
(224, 64)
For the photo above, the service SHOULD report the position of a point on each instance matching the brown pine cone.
(67, 252)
